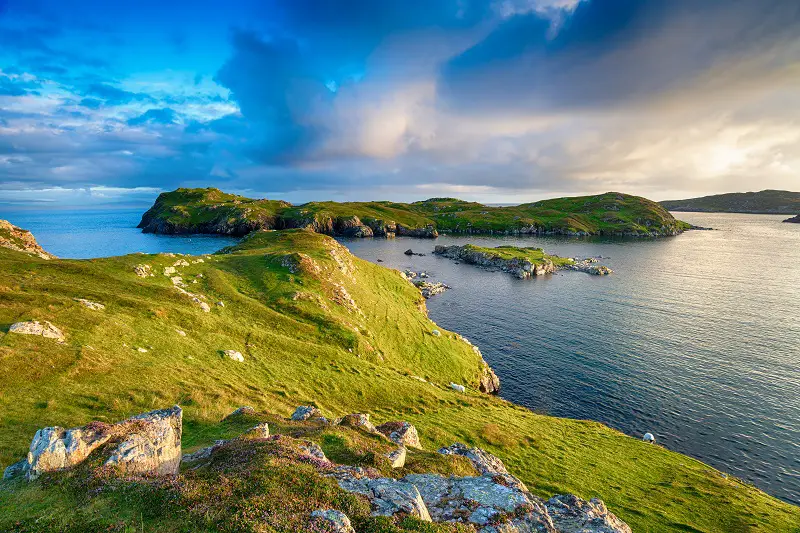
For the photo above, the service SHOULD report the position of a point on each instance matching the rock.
(409, 252)
(220, 304)
(46, 329)
(401, 433)
(151, 443)
(519, 267)
(260, 431)
(94, 306)
(489, 382)
(425, 232)
(571, 514)
(648, 437)
(397, 458)
(481, 502)
(16, 470)
(305, 412)
(793, 220)
(483, 461)
(389, 497)
(180, 332)
(243, 410)
(169, 271)
(430, 289)
(423, 275)
(332, 520)
(457, 387)
(143, 271)
(358, 420)
(153, 446)
(600, 270)
(409, 274)
(20, 240)
(436, 333)
(204, 306)
(141, 350)
(312, 449)
(202, 454)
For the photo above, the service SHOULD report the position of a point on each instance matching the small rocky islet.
(793, 220)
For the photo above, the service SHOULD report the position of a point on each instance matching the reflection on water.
(694, 338)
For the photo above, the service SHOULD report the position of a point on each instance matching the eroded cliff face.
(20, 240)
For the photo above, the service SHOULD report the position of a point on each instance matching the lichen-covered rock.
(34, 327)
(94, 306)
(388, 497)
(143, 271)
(150, 443)
(571, 514)
(312, 449)
(153, 444)
(305, 412)
(233, 354)
(16, 470)
(397, 458)
(484, 462)
(358, 420)
(401, 433)
(332, 520)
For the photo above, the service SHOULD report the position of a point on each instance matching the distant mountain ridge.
(763, 202)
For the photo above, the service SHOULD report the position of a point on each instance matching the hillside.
(212, 211)
(313, 325)
(764, 202)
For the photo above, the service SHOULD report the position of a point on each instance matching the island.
(283, 384)
(768, 202)
(186, 211)
(524, 263)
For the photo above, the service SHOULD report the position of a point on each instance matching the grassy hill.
(212, 211)
(766, 202)
(315, 326)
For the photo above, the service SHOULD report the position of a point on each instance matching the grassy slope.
(610, 213)
(296, 353)
(769, 201)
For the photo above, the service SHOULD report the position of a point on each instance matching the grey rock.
(571, 514)
(402, 433)
(153, 445)
(260, 431)
(233, 354)
(484, 462)
(16, 470)
(389, 497)
(332, 520)
(34, 327)
(243, 410)
(358, 420)
(313, 449)
(397, 458)
(94, 306)
(305, 412)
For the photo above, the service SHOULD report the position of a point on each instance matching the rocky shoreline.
(520, 267)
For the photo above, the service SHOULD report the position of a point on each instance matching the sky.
(500, 101)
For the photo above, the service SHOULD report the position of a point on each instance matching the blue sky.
(492, 100)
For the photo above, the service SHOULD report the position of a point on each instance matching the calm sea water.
(695, 338)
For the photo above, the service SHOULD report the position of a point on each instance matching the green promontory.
(284, 319)
(212, 211)
(763, 202)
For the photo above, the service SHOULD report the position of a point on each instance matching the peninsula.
(285, 385)
(210, 210)
(768, 202)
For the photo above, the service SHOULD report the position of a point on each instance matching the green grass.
(534, 255)
(303, 343)
(212, 211)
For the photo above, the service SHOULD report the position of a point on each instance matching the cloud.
(113, 95)
(155, 116)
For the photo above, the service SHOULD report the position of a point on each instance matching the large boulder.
(401, 433)
(388, 497)
(485, 463)
(571, 514)
(34, 327)
(148, 443)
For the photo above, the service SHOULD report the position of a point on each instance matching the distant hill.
(766, 202)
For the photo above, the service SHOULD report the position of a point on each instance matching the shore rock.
(34, 327)
(332, 520)
(521, 268)
(401, 433)
(430, 289)
(793, 220)
(489, 382)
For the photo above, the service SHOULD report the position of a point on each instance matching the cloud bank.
(494, 100)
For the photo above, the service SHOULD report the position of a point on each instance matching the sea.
(694, 338)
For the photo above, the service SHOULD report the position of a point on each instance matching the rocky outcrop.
(44, 329)
(521, 268)
(793, 220)
(306, 412)
(401, 433)
(429, 289)
(489, 382)
(332, 521)
(589, 266)
(483, 461)
(147, 443)
(425, 232)
(357, 420)
(571, 514)
(388, 497)
(351, 227)
(20, 240)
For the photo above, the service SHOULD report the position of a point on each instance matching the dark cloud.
(114, 95)
(156, 116)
